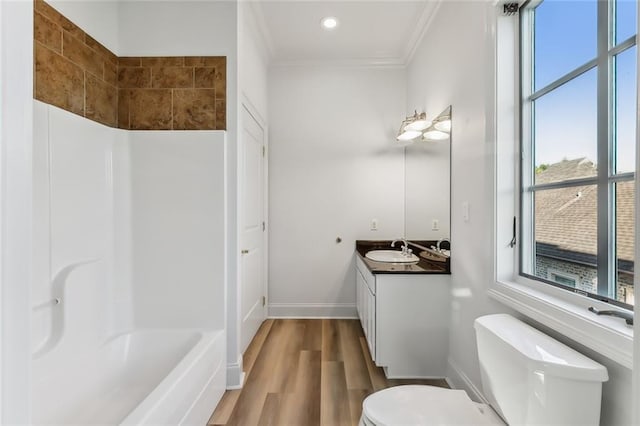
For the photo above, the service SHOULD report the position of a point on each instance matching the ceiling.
(369, 32)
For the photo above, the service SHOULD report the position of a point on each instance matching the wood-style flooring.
(305, 373)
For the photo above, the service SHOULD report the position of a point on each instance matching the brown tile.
(129, 61)
(220, 85)
(101, 101)
(43, 7)
(163, 61)
(55, 16)
(110, 73)
(216, 61)
(171, 77)
(221, 76)
(47, 33)
(134, 77)
(78, 52)
(150, 109)
(98, 47)
(205, 61)
(194, 61)
(194, 109)
(205, 77)
(124, 95)
(58, 81)
(221, 115)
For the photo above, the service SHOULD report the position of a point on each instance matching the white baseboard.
(457, 379)
(312, 310)
(235, 375)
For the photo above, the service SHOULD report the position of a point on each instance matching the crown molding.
(422, 26)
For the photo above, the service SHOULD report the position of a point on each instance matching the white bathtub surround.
(148, 377)
(178, 228)
(128, 299)
(192, 28)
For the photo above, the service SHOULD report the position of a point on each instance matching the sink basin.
(391, 256)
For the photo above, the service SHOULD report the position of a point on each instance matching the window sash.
(605, 179)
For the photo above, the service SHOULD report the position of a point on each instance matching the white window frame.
(563, 311)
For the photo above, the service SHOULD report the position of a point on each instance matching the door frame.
(247, 105)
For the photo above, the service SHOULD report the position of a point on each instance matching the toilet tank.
(532, 379)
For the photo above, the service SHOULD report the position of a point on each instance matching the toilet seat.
(425, 405)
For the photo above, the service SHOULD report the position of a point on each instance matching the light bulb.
(418, 125)
(443, 126)
(407, 135)
(329, 23)
(435, 135)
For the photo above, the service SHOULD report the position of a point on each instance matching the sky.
(565, 38)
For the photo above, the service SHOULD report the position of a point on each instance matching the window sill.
(608, 336)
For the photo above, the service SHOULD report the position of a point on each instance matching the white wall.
(98, 18)
(252, 61)
(334, 166)
(177, 28)
(461, 37)
(427, 189)
(16, 261)
(178, 228)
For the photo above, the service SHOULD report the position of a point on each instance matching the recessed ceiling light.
(329, 23)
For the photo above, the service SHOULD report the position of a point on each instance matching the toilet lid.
(422, 405)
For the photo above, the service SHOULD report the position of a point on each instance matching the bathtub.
(145, 377)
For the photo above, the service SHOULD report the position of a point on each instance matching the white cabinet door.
(366, 304)
(365, 309)
(371, 322)
(360, 285)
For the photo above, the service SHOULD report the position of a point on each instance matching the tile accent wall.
(176, 93)
(76, 73)
(72, 70)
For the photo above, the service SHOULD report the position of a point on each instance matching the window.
(578, 86)
(562, 277)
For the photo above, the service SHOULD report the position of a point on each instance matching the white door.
(252, 229)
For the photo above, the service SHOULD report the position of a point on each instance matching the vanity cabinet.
(405, 319)
(366, 306)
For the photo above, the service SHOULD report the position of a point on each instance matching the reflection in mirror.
(428, 182)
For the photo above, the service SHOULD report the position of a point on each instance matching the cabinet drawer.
(369, 278)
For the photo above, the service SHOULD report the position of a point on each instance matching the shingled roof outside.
(566, 218)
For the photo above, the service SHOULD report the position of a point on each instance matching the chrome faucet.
(406, 251)
(440, 242)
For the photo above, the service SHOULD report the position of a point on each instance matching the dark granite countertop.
(423, 266)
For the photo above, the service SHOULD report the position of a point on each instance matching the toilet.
(528, 378)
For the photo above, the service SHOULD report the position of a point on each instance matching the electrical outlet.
(374, 224)
(435, 225)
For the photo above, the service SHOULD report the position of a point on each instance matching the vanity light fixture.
(329, 23)
(413, 126)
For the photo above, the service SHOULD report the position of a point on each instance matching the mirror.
(428, 182)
